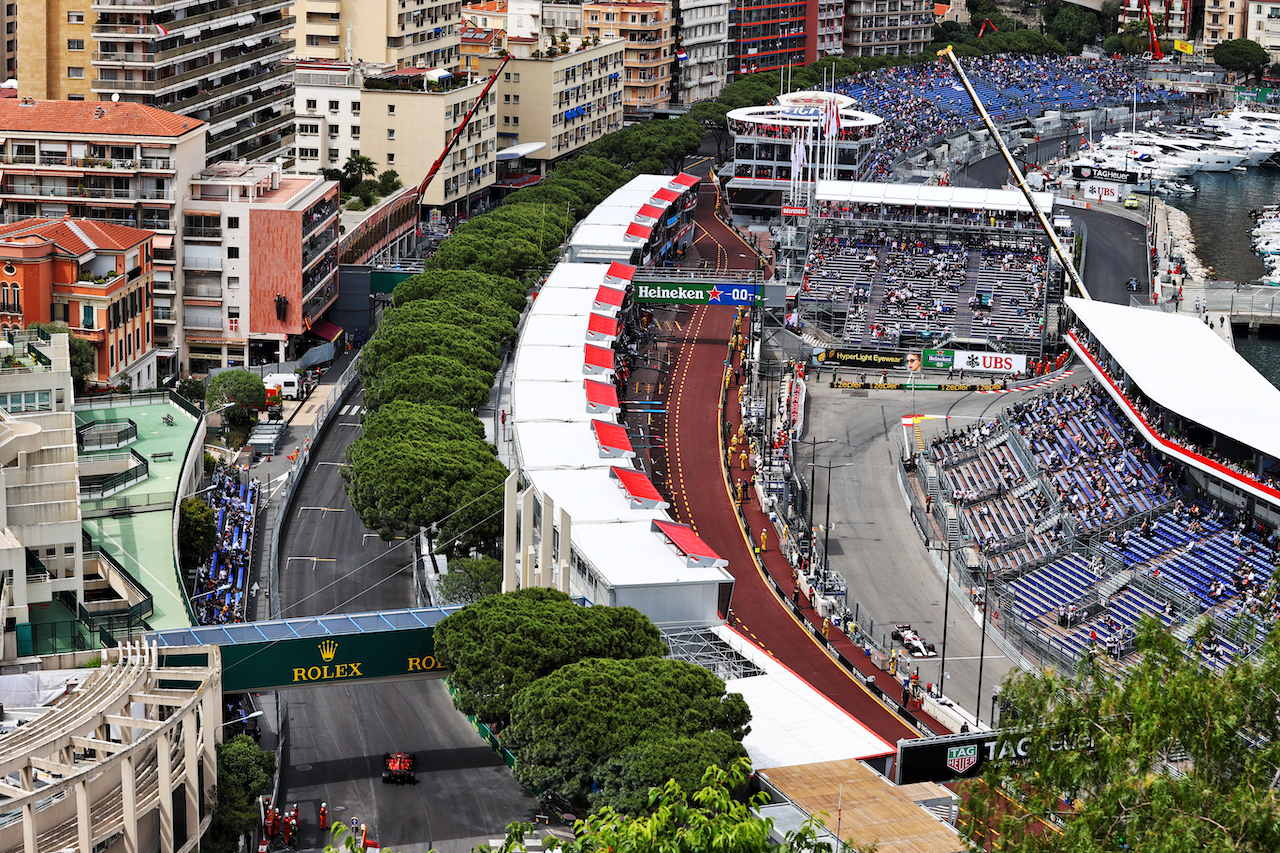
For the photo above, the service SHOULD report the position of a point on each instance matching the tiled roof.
(77, 236)
(97, 117)
(487, 6)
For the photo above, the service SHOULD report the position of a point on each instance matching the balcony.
(268, 148)
(22, 188)
(202, 232)
(164, 315)
(218, 11)
(192, 290)
(163, 287)
(185, 51)
(106, 281)
(317, 247)
(201, 263)
(227, 89)
(208, 69)
(203, 323)
(227, 139)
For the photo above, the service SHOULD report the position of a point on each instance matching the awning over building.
(607, 298)
(160, 241)
(325, 330)
(640, 492)
(666, 195)
(648, 211)
(921, 195)
(689, 544)
(613, 441)
(636, 231)
(602, 397)
(684, 180)
(597, 360)
(601, 328)
(619, 272)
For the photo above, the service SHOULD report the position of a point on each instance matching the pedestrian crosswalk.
(351, 409)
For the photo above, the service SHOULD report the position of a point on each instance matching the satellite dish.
(115, 97)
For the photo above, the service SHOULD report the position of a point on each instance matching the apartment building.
(205, 59)
(885, 27)
(702, 50)
(40, 539)
(1223, 19)
(486, 13)
(402, 33)
(401, 119)
(477, 42)
(765, 36)
(1264, 26)
(10, 21)
(566, 101)
(648, 28)
(93, 276)
(261, 263)
(116, 163)
(1179, 17)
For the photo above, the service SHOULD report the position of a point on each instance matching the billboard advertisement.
(697, 293)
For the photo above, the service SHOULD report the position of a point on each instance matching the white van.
(290, 387)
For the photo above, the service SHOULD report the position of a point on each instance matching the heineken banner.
(696, 293)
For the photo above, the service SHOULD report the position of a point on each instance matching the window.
(69, 550)
(233, 282)
(233, 251)
(148, 332)
(515, 119)
(506, 99)
(391, 109)
(76, 72)
(72, 17)
(75, 44)
(308, 129)
(313, 41)
(334, 130)
(391, 133)
(515, 99)
(515, 78)
(86, 319)
(311, 103)
(333, 155)
(506, 119)
(391, 158)
(355, 108)
(355, 152)
(506, 77)
(233, 221)
(355, 131)
(333, 106)
(309, 153)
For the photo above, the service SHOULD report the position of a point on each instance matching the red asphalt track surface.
(702, 498)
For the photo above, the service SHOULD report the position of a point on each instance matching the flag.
(681, 55)
(1183, 47)
(162, 30)
(798, 155)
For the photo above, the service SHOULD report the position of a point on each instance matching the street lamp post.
(982, 649)
(813, 460)
(946, 610)
(826, 528)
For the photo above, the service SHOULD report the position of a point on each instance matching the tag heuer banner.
(1103, 173)
(698, 293)
(961, 758)
(943, 758)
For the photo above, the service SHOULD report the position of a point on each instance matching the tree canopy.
(462, 284)
(197, 533)
(602, 731)
(82, 352)
(470, 580)
(429, 380)
(503, 643)
(242, 390)
(1244, 55)
(651, 146)
(244, 774)
(1075, 26)
(415, 466)
(1170, 757)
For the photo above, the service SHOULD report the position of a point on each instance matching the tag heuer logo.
(1085, 173)
(961, 758)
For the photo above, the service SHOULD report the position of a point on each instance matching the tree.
(470, 580)
(462, 283)
(389, 181)
(712, 816)
(397, 340)
(244, 774)
(1074, 26)
(241, 391)
(1167, 757)
(428, 380)
(1243, 55)
(82, 352)
(197, 533)
(417, 466)
(357, 168)
(191, 389)
(651, 146)
(605, 719)
(502, 644)
(713, 116)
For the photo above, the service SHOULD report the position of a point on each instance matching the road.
(337, 735)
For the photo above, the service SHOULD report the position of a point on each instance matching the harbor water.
(1220, 224)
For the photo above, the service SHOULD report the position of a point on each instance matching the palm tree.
(358, 167)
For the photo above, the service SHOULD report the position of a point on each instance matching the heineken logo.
(696, 294)
(676, 293)
(961, 758)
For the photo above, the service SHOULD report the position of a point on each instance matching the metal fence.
(1245, 301)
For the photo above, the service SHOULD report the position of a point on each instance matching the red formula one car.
(398, 767)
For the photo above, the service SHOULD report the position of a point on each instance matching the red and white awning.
(636, 231)
(683, 181)
(602, 397)
(597, 360)
(640, 491)
(666, 195)
(689, 545)
(613, 441)
(608, 299)
(649, 213)
(602, 329)
(619, 273)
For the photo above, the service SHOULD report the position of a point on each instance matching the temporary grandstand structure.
(928, 197)
(638, 223)
(590, 521)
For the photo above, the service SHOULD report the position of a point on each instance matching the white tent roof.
(1178, 362)
(920, 195)
(631, 554)
(592, 498)
(791, 722)
(560, 363)
(546, 444)
(551, 401)
(554, 330)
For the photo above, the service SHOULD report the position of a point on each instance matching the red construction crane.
(983, 29)
(1156, 54)
(462, 125)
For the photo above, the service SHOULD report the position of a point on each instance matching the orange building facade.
(92, 276)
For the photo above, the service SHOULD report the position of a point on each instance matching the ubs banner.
(932, 359)
(305, 662)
